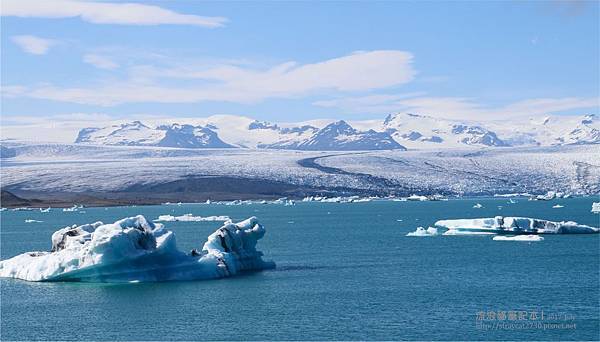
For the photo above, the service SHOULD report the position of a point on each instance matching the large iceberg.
(513, 225)
(136, 250)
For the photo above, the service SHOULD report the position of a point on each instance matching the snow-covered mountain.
(420, 131)
(340, 136)
(552, 130)
(7, 152)
(138, 134)
(397, 131)
(337, 136)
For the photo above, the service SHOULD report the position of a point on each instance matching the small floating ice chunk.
(431, 231)
(477, 206)
(47, 210)
(33, 221)
(558, 206)
(525, 238)
(134, 249)
(414, 197)
(191, 218)
(466, 232)
(596, 207)
(520, 225)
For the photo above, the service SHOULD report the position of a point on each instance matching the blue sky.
(293, 61)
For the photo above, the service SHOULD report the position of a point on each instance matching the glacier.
(512, 225)
(158, 174)
(136, 250)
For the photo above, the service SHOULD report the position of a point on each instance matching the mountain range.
(397, 132)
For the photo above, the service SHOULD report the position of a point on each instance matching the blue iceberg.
(136, 250)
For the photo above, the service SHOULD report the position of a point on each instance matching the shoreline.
(67, 200)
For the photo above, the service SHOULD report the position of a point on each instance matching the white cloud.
(61, 128)
(33, 45)
(105, 13)
(457, 107)
(374, 104)
(100, 61)
(361, 71)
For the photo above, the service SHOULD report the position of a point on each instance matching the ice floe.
(524, 238)
(416, 198)
(136, 250)
(466, 232)
(557, 206)
(191, 218)
(596, 207)
(478, 206)
(522, 194)
(513, 225)
(431, 231)
(550, 195)
(33, 221)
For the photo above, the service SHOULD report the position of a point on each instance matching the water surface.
(345, 272)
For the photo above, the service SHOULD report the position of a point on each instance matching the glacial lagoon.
(345, 271)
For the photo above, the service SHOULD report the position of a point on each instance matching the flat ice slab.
(191, 218)
(513, 225)
(136, 250)
(523, 238)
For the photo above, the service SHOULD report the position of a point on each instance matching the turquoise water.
(344, 272)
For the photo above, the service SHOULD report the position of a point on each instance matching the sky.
(80, 63)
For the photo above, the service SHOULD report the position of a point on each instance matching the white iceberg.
(513, 225)
(596, 207)
(73, 208)
(191, 218)
(33, 221)
(557, 206)
(525, 238)
(431, 231)
(136, 250)
(414, 197)
(478, 206)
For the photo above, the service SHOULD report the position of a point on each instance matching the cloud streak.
(99, 61)
(361, 71)
(105, 13)
(458, 107)
(33, 45)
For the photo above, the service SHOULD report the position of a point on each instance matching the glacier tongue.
(513, 225)
(136, 250)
